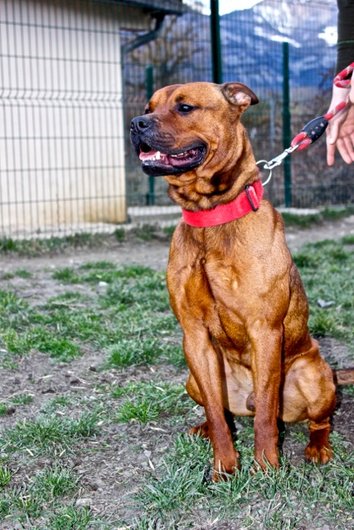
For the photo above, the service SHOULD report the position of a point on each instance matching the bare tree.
(171, 52)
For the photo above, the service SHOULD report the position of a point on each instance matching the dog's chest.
(225, 290)
(207, 289)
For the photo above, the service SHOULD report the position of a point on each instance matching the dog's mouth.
(158, 163)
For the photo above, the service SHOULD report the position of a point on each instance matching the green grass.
(22, 399)
(121, 316)
(18, 400)
(55, 482)
(36, 247)
(3, 409)
(327, 271)
(5, 476)
(48, 434)
(146, 402)
(43, 496)
(327, 214)
(348, 240)
(278, 499)
(128, 318)
(301, 221)
(71, 518)
(57, 245)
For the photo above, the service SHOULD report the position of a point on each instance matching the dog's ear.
(239, 94)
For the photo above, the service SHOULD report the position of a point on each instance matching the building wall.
(61, 120)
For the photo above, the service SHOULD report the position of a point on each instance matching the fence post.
(149, 85)
(215, 41)
(286, 125)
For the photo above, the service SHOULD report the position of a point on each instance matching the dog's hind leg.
(310, 391)
(319, 450)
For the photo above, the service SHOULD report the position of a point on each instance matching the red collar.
(246, 202)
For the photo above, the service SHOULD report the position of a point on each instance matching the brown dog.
(232, 282)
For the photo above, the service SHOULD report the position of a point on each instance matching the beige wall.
(61, 127)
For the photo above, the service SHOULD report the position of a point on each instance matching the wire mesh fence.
(73, 74)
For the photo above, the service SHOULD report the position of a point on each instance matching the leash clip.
(276, 161)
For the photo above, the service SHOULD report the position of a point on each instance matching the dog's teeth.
(158, 155)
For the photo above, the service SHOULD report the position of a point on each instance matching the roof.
(167, 7)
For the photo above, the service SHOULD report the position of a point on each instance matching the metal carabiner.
(276, 161)
(265, 167)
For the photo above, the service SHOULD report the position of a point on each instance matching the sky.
(226, 6)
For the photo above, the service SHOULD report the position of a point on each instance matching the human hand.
(340, 130)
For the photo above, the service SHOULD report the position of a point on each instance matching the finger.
(342, 148)
(349, 147)
(332, 132)
(331, 150)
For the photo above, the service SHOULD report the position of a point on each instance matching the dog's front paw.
(266, 459)
(226, 468)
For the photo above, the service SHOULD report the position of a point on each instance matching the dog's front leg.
(266, 368)
(206, 369)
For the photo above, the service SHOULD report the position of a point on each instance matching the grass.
(145, 232)
(125, 311)
(146, 402)
(47, 492)
(127, 318)
(5, 476)
(71, 518)
(58, 245)
(7, 407)
(35, 247)
(275, 500)
(121, 317)
(48, 434)
(328, 274)
(42, 496)
(326, 214)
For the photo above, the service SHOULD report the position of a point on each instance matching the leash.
(314, 129)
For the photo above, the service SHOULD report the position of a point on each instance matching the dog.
(233, 285)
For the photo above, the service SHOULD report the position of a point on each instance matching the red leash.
(314, 128)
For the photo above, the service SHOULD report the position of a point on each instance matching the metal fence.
(73, 73)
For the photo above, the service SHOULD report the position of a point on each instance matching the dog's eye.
(183, 108)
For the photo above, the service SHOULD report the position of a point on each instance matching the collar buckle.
(252, 197)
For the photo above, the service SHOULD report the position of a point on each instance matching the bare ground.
(110, 468)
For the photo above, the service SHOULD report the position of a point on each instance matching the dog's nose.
(140, 123)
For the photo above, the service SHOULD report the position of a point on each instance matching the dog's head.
(188, 127)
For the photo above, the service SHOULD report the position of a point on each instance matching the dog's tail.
(344, 376)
